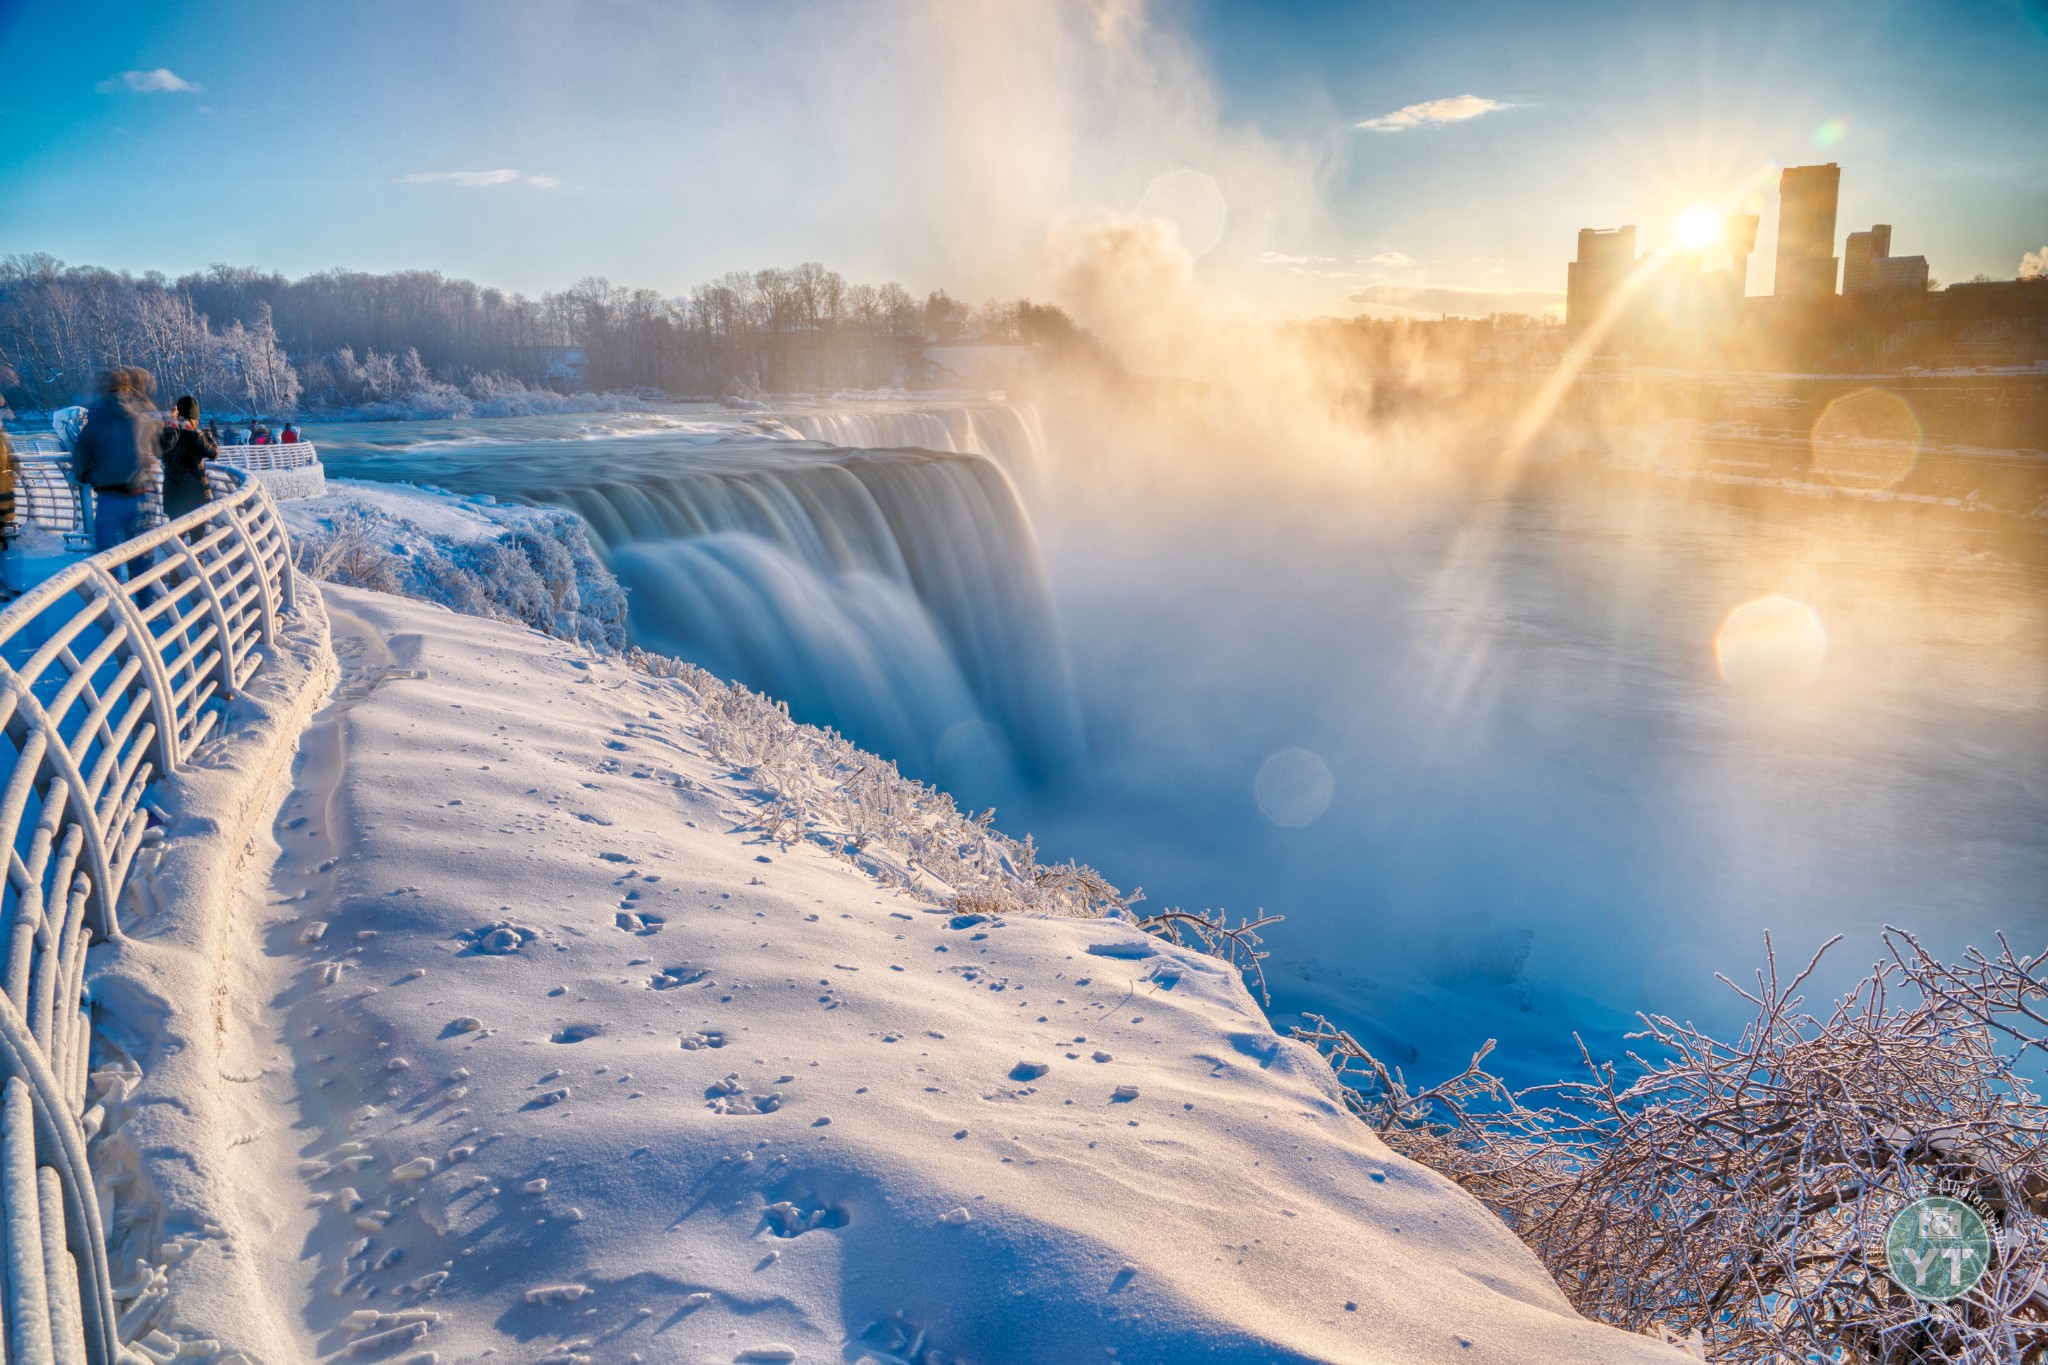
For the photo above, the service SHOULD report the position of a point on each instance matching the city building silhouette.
(1807, 262)
(1606, 255)
(1870, 271)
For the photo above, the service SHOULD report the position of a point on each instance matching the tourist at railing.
(116, 456)
(6, 518)
(185, 450)
(290, 434)
(259, 435)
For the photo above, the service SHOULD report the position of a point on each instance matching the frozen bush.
(539, 571)
(1734, 1197)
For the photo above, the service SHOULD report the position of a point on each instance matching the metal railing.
(287, 455)
(112, 672)
(45, 496)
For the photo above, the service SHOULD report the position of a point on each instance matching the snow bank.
(553, 1051)
(168, 1103)
(526, 564)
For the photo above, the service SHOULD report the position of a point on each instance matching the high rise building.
(1739, 229)
(1869, 270)
(1605, 258)
(1807, 262)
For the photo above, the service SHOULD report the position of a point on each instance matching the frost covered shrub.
(540, 572)
(1733, 1197)
(354, 550)
(815, 786)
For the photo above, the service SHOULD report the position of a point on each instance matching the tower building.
(1605, 258)
(1807, 262)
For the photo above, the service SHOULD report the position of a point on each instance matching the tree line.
(245, 340)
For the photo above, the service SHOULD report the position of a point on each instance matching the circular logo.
(1938, 1248)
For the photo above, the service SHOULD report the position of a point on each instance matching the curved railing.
(45, 496)
(282, 455)
(111, 673)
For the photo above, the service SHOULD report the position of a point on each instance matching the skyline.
(1360, 159)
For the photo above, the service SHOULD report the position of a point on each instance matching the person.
(259, 435)
(213, 430)
(6, 517)
(116, 456)
(289, 434)
(185, 449)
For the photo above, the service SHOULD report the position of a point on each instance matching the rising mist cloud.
(1432, 114)
(2034, 265)
(158, 81)
(475, 180)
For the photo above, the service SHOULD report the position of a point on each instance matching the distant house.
(561, 367)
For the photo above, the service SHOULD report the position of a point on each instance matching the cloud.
(1432, 114)
(1282, 258)
(1461, 300)
(474, 180)
(1393, 260)
(161, 81)
(2034, 265)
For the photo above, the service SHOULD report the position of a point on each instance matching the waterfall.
(897, 596)
(1007, 433)
(875, 568)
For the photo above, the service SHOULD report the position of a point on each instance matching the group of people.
(256, 433)
(123, 449)
(126, 448)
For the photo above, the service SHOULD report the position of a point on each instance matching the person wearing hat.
(185, 450)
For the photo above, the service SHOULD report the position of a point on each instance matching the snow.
(432, 512)
(580, 1064)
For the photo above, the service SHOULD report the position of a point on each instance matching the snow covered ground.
(542, 1050)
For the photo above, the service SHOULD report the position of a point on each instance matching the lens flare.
(1293, 788)
(1773, 643)
(1699, 227)
(1869, 439)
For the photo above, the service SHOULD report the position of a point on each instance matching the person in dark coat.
(185, 450)
(116, 456)
(6, 515)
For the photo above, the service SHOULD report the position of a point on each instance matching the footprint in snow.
(642, 924)
(577, 1033)
(499, 940)
(1028, 1071)
(794, 1218)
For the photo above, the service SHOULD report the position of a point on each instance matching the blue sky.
(528, 144)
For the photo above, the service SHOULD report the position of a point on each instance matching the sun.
(1699, 227)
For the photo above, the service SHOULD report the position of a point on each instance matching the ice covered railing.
(291, 469)
(45, 497)
(112, 672)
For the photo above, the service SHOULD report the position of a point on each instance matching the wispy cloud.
(476, 180)
(1432, 114)
(1305, 265)
(1392, 260)
(161, 81)
(1457, 299)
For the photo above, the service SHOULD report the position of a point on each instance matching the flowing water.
(1513, 769)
